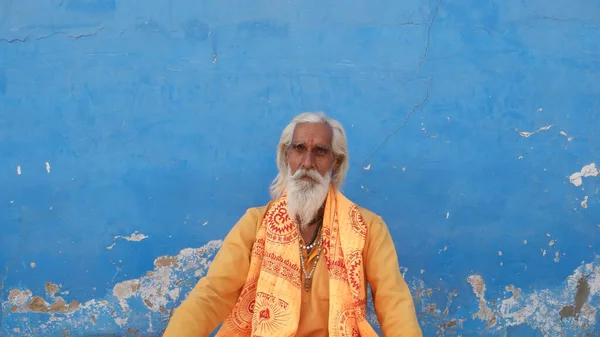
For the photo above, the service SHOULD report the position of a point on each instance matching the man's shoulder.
(368, 215)
(258, 211)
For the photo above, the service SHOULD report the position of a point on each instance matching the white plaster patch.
(121, 321)
(48, 167)
(589, 170)
(19, 170)
(565, 134)
(156, 288)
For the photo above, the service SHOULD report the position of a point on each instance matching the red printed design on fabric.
(280, 228)
(280, 267)
(333, 256)
(354, 263)
(272, 313)
(358, 222)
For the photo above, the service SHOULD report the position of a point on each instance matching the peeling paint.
(589, 170)
(51, 288)
(135, 237)
(157, 292)
(570, 309)
(435, 309)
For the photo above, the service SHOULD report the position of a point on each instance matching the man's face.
(310, 149)
(310, 165)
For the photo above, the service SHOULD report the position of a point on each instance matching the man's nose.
(308, 161)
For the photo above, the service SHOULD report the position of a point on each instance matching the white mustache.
(312, 174)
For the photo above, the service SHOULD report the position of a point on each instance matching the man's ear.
(336, 166)
(285, 150)
(339, 162)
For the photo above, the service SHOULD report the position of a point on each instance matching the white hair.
(339, 148)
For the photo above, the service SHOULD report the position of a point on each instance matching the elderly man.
(300, 265)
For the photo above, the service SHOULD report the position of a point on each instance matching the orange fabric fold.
(269, 304)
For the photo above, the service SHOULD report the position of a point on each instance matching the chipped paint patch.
(528, 134)
(135, 237)
(584, 202)
(589, 170)
(484, 313)
(48, 167)
(51, 288)
(154, 294)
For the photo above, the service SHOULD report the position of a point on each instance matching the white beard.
(304, 198)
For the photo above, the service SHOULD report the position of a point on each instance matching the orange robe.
(254, 286)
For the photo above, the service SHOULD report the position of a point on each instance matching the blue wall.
(134, 134)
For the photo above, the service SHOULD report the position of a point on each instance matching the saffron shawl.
(269, 304)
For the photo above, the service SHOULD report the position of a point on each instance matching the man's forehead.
(312, 133)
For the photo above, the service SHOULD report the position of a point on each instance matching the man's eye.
(298, 147)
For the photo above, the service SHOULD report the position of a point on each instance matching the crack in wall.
(23, 40)
(406, 120)
(75, 37)
(437, 7)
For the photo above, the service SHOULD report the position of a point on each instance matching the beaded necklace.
(318, 243)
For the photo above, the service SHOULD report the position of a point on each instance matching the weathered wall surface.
(134, 134)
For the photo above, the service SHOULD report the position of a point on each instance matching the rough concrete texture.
(134, 135)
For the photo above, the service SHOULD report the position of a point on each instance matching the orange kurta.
(213, 298)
